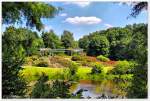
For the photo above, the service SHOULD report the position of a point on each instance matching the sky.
(82, 18)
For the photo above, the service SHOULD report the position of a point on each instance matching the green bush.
(73, 67)
(102, 58)
(60, 60)
(77, 58)
(42, 64)
(57, 89)
(123, 67)
(97, 68)
(41, 89)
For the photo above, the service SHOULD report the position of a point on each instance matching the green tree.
(84, 42)
(99, 45)
(51, 40)
(138, 51)
(12, 59)
(32, 12)
(119, 39)
(12, 49)
(67, 39)
(41, 88)
(57, 88)
(60, 89)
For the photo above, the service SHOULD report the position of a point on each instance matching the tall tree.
(12, 59)
(12, 51)
(119, 39)
(67, 39)
(51, 40)
(84, 42)
(99, 45)
(138, 51)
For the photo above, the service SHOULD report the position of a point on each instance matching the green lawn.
(30, 72)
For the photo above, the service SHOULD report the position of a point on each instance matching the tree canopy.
(51, 40)
(31, 12)
(67, 39)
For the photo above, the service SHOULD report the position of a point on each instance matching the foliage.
(60, 89)
(77, 58)
(57, 88)
(139, 86)
(119, 39)
(138, 8)
(67, 39)
(98, 45)
(84, 42)
(29, 40)
(29, 73)
(61, 61)
(12, 60)
(51, 40)
(42, 63)
(138, 51)
(97, 69)
(41, 89)
(73, 68)
(31, 12)
(102, 58)
(124, 67)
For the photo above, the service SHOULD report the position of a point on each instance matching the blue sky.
(81, 18)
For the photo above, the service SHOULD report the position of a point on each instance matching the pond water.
(95, 89)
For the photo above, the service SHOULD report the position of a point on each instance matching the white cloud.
(83, 20)
(63, 14)
(108, 25)
(80, 3)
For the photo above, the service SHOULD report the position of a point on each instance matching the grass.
(31, 73)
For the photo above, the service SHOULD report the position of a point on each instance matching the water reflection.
(95, 89)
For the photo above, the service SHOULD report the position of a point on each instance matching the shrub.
(123, 67)
(97, 68)
(60, 89)
(57, 89)
(30, 60)
(77, 58)
(42, 64)
(73, 67)
(63, 62)
(102, 58)
(41, 89)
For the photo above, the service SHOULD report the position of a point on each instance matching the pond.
(97, 89)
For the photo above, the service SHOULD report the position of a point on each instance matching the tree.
(12, 50)
(41, 88)
(138, 8)
(31, 12)
(138, 51)
(51, 40)
(12, 59)
(67, 39)
(57, 88)
(119, 39)
(99, 45)
(84, 42)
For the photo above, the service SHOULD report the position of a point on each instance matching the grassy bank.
(31, 73)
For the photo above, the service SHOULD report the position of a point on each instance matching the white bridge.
(51, 52)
